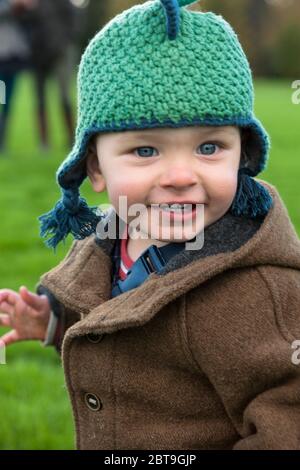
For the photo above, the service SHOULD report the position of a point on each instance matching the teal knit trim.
(72, 215)
(67, 175)
(155, 65)
(131, 71)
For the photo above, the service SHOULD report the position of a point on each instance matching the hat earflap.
(252, 199)
(72, 215)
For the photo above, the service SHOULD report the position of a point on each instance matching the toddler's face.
(189, 164)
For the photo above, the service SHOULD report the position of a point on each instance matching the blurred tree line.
(269, 30)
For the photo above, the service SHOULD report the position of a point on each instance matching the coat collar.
(82, 282)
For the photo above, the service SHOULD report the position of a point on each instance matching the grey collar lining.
(226, 234)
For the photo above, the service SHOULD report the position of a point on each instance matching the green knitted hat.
(159, 64)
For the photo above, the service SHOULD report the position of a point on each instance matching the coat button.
(92, 401)
(92, 338)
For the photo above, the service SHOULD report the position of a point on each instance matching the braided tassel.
(172, 13)
(72, 215)
(252, 199)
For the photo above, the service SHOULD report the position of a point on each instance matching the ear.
(245, 136)
(93, 169)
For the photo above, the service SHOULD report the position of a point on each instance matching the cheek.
(222, 187)
(129, 186)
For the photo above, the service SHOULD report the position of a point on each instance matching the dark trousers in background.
(9, 79)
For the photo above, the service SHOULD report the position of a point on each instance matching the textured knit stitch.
(160, 65)
(132, 76)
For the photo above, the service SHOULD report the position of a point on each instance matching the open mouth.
(176, 208)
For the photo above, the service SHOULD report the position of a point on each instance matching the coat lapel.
(184, 271)
(83, 280)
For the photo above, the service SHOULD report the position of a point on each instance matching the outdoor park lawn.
(35, 411)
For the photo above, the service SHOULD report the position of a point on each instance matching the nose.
(178, 176)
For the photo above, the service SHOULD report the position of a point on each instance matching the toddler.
(165, 347)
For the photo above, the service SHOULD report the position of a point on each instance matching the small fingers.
(5, 307)
(10, 337)
(9, 296)
(37, 302)
(5, 320)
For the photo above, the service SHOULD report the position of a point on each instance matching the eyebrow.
(140, 135)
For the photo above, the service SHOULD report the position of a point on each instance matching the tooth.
(176, 207)
(164, 206)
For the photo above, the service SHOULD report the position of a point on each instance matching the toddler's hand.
(26, 313)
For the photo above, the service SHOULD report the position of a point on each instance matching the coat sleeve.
(244, 343)
(63, 317)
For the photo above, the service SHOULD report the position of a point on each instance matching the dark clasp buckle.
(151, 260)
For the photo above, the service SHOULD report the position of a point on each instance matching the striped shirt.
(125, 261)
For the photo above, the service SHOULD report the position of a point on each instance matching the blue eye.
(145, 151)
(208, 149)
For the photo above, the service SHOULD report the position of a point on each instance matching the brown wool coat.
(197, 358)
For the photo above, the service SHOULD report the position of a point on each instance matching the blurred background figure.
(14, 53)
(51, 29)
(51, 34)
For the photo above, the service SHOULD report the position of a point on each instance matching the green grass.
(35, 410)
(281, 118)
